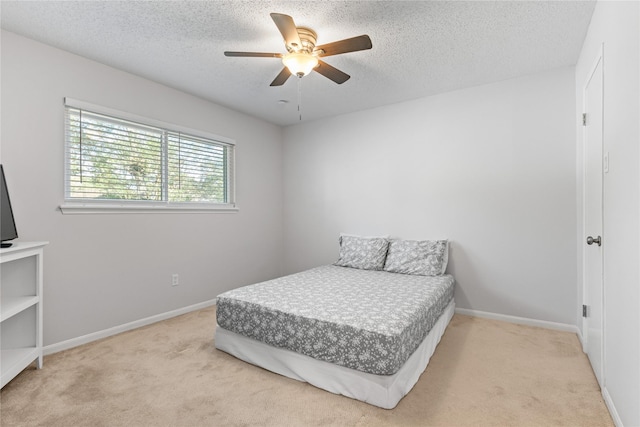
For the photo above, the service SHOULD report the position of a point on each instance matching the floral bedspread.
(367, 320)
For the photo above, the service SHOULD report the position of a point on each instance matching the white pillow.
(366, 253)
(420, 257)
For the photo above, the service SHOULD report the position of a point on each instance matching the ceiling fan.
(303, 55)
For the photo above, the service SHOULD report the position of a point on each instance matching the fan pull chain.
(300, 97)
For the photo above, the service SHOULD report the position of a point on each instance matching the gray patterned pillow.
(421, 257)
(366, 253)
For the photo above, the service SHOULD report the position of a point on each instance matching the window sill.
(74, 208)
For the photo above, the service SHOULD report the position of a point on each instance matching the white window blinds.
(197, 169)
(113, 158)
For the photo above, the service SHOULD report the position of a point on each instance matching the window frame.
(101, 206)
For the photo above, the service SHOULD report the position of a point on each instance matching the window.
(117, 161)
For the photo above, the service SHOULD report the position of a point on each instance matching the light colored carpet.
(483, 373)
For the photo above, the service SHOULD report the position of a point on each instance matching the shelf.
(15, 360)
(21, 282)
(10, 306)
(21, 249)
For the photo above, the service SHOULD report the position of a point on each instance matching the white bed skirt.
(384, 391)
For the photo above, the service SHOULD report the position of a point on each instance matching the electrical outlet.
(175, 280)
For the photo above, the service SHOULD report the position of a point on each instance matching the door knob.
(591, 241)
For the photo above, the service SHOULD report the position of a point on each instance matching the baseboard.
(85, 339)
(582, 343)
(520, 320)
(612, 408)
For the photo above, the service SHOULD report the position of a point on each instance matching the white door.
(593, 207)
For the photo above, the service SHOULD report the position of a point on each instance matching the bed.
(365, 333)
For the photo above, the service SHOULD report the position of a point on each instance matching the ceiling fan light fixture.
(300, 63)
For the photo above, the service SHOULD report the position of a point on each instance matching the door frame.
(599, 60)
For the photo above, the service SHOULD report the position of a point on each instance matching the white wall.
(107, 270)
(491, 167)
(616, 24)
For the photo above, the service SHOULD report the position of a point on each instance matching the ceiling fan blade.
(288, 29)
(353, 44)
(254, 54)
(281, 78)
(331, 73)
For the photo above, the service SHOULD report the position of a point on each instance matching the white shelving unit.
(20, 308)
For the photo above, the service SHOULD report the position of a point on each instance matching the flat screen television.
(8, 229)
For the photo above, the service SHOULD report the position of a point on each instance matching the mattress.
(369, 321)
(384, 391)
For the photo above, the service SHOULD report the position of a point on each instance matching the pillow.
(366, 253)
(420, 257)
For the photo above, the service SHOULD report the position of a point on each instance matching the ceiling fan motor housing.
(308, 39)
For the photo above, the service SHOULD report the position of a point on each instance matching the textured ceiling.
(420, 48)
